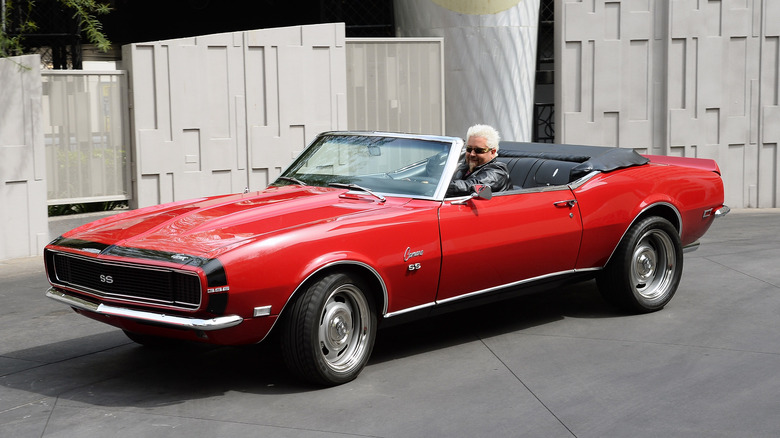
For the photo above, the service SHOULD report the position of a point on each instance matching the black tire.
(328, 333)
(645, 270)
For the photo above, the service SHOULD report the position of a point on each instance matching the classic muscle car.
(358, 233)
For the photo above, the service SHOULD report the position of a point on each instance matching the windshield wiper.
(291, 179)
(360, 188)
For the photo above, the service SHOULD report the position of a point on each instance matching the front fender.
(270, 271)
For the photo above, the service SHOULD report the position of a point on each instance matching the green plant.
(12, 45)
(85, 12)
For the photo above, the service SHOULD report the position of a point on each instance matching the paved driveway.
(562, 364)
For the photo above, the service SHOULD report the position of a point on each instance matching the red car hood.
(199, 227)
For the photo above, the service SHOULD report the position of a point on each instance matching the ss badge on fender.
(408, 254)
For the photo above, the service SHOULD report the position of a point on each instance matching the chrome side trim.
(691, 247)
(583, 179)
(171, 321)
(516, 283)
(488, 290)
(410, 309)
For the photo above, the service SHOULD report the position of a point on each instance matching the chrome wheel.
(344, 330)
(328, 332)
(646, 267)
(653, 266)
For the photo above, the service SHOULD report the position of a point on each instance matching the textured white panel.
(678, 77)
(213, 111)
(490, 62)
(767, 173)
(23, 216)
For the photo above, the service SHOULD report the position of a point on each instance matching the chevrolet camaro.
(358, 232)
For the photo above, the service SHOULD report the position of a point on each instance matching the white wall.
(676, 77)
(23, 215)
(217, 113)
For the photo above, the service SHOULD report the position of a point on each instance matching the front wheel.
(328, 334)
(645, 269)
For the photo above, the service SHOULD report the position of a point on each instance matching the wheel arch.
(662, 209)
(377, 289)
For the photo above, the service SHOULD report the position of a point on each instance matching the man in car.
(480, 166)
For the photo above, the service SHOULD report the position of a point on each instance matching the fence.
(86, 138)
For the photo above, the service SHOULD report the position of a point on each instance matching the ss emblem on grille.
(106, 279)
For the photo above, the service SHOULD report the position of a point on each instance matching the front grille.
(127, 282)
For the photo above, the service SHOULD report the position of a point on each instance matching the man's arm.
(493, 174)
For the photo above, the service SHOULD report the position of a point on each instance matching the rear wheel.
(645, 269)
(328, 333)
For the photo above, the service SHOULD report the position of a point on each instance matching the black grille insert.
(142, 284)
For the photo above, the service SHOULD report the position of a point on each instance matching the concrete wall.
(23, 215)
(217, 113)
(676, 77)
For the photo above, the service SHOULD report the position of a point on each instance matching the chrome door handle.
(568, 203)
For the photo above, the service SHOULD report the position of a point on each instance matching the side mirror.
(479, 191)
(482, 192)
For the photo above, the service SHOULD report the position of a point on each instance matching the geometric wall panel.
(694, 78)
(216, 114)
(23, 214)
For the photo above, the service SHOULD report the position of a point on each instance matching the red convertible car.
(358, 233)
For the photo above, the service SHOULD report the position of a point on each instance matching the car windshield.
(389, 165)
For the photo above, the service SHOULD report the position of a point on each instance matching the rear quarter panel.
(611, 202)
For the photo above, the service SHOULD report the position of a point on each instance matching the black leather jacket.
(494, 173)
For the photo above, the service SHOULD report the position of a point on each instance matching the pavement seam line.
(527, 388)
(743, 273)
(669, 344)
(44, 364)
(190, 417)
(5, 411)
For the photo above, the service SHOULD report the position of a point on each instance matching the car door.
(506, 240)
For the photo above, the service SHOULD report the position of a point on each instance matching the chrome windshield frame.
(455, 150)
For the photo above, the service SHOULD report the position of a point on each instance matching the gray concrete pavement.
(560, 364)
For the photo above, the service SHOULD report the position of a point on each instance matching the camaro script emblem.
(409, 254)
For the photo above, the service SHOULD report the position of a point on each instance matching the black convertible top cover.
(599, 158)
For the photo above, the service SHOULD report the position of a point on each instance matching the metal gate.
(85, 121)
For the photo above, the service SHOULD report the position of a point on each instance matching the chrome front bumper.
(178, 322)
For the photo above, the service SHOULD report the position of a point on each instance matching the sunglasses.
(470, 149)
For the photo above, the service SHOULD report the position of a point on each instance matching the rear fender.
(695, 163)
